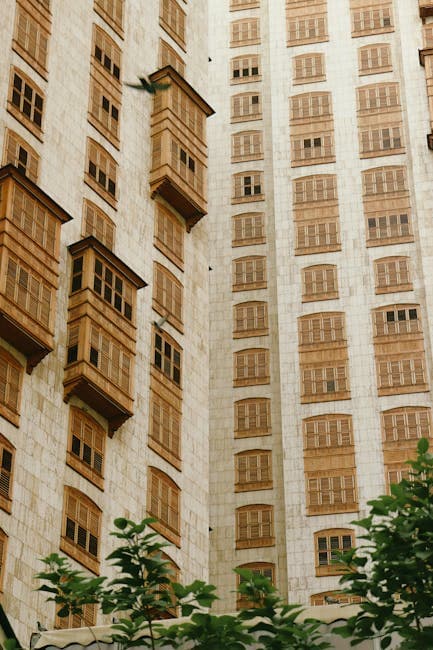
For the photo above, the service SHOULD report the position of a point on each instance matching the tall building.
(285, 256)
(321, 296)
(104, 411)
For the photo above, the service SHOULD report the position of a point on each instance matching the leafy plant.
(393, 570)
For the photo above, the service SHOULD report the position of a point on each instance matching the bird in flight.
(148, 85)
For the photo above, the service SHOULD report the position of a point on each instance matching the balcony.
(179, 151)
(30, 224)
(101, 331)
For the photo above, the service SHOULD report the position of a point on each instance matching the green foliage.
(393, 570)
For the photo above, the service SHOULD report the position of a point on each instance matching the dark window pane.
(82, 537)
(108, 276)
(98, 53)
(127, 311)
(92, 169)
(158, 342)
(38, 102)
(114, 113)
(72, 353)
(236, 73)
(107, 62)
(176, 376)
(7, 460)
(77, 265)
(118, 302)
(70, 529)
(98, 267)
(94, 356)
(413, 314)
(93, 545)
(116, 71)
(401, 314)
(107, 293)
(112, 187)
(97, 285)
(76, 446)
(390, 317)
(76, 282)
(118, 285)
(87, 454)
(18, 82)
(28, 92)
(191, 164)
(102, 178)
(105, 104)
(22, 156)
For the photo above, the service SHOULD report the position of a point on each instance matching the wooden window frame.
(299, 27)
(3, 554)
(335, 597)
(258, 521)
(386, 268)
(256, 478)
(402, 471)
(390, 433)
(330, 568)
(266, 569)
(371, 69)
(385, 17)
(167, 299)
(257, 222)
(312, 148)
(20, 154)
(397, 320)
(7, 410)
(169, 526)
(34, 106)
(245, 267)
(172, 19)
(248, 187)
(323, 280)
(171, 244)
(237, 29)
(103, 166)
(317, 69)
(247, 145)
(106, 58)
(7, 459)
(322, 329)
(104, 110)
(310, 107)
(238, 5)
(331, 491)
(165, 425)
(249, 66)
(70, 546)
(379, 98)
(246, 101)
(251, 367)
(245, 312)
(169, 362)
(73, 621)
(396, 225)
(403, 364)
(97, 223)
(101, 347)
(329, 433)
(168, 56)
(310, 232)
(28, 20)
(390, 139)
(310, 191)
(30, 293)
(101, 7)
(86, 446)
(264, 418)
(384, 181)
(327, 374)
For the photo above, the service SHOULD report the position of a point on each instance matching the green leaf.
(423, 446)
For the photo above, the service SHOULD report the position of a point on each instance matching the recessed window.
(86, 446)
(7, 453)
(97, 224)
(169, 235)
(101, 172)
(168, 296)
(253, 470)
(81, 529)
(251, 367)
(26, 102)
(245, 68)
(249, 273)
(3, 547)
(252, 417)
(173, 20)
(106, 55)
(255, 526)
(167, 356)
(168, 56)
(308, 68)
(31, 39)
(265, 569)
(112, 12)
(163, 503)
(328, 545)
(21, 154)
(248, 229)
(11, 375)
(406, 424)
(374, 59)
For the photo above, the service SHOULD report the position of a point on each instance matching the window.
(312, 150)
(306, 30)
(384, 180)
(395, 473)
(318, 329)
(249, 273)
(324, 383)
(397, 320)
(165, 429)
(167, 296)
(246, 106)
(169, 235)
(328, 543)
(332, 494)
(247, 145)
(372, 21)
(245, 32)
(374, 59)
(81, 530)
(251, 367)
(388, 228)
(172, 19)
(402, 375)
(236, 5)
(253, 470)
(250, 319)
(97, 224)
(35, 221)
(21, 154)
(106, 56)
(255, 526)
(3, 546)
(252, 417)
(7, 453)
(187, 166)
(319, 283)
(88, 619)
(331, 597)
(86, 446)
(265, 569)
(392, 274)
(381, 141)
(112, 12)
(328, 432)
(11, 376)
(318, 188)
(26, 102)
(248, 186)
(163, 503)
(29, 292)
(167, 356)
(248, 229)
(31, 39)
(168, 56)
(317, 236)
(428, 35)
(245, 68)
(378, 97)
(308, 68)
(406, 423)
(309, 106)
(113, 361)
(101, 172)
(186, 109)
(173, 576)
(104, 109)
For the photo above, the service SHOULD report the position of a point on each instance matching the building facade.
(321, 299)
(104, 287)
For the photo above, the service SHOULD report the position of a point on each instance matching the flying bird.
(148, 85)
